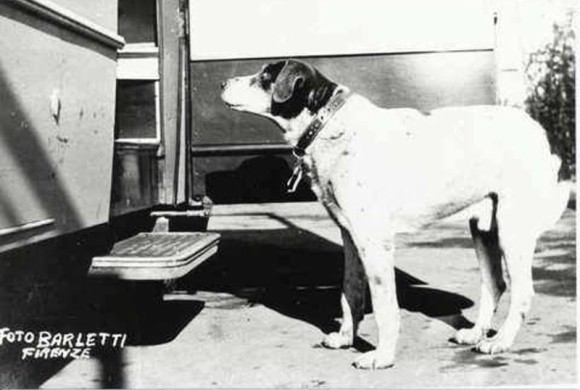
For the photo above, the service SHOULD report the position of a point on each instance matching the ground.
(254, 315)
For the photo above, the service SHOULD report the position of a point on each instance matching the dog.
(380, 172)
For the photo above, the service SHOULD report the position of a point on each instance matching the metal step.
(155, 256)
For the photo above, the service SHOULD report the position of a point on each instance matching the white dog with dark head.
(380, 172)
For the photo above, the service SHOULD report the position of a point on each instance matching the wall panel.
(57, 88)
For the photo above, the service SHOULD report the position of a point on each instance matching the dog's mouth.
(228, 102)
(234, 106)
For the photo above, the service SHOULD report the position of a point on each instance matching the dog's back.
(493, 149)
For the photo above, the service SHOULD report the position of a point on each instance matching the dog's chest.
(320, 173)
(324, 184)
(329, 169)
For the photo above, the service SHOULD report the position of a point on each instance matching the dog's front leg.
(352, 300)
(378, 259)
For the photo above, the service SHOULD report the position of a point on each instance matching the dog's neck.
(295, 128)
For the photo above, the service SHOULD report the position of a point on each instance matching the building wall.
(418, 54)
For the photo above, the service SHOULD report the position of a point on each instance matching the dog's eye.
(265, 79)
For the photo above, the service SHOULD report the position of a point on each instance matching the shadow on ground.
(299, 274)
(290, 270)
(554, 265)
(44, 287)
(554, 268)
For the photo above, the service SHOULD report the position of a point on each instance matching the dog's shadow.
(299, 274)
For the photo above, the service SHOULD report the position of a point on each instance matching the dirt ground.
(254, 315)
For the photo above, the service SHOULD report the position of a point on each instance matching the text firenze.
(48, 345)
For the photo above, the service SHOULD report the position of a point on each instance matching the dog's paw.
(336, 340)
(494, 345)
(374, 360)
(469, 336)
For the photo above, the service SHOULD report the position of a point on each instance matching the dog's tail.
(557, 199)
(560, 202)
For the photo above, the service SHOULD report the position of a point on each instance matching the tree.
(551, 101)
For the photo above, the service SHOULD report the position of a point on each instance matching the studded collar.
(321, 119)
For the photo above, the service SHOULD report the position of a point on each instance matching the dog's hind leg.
(517, 240)
(352, 300)
(488, 253)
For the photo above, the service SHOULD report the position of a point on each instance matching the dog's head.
(281, 90)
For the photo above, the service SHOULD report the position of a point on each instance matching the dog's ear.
(289, 81)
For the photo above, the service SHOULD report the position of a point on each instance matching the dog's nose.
(223, 84)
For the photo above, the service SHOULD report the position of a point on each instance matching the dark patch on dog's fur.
(270, 73)
(312, 91)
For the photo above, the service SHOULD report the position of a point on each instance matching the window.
(138, 21)
(137, 112)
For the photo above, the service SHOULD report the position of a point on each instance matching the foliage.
(551, 101)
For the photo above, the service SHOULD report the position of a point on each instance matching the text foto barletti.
(48, 345)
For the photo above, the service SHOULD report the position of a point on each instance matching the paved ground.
(254, 315)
